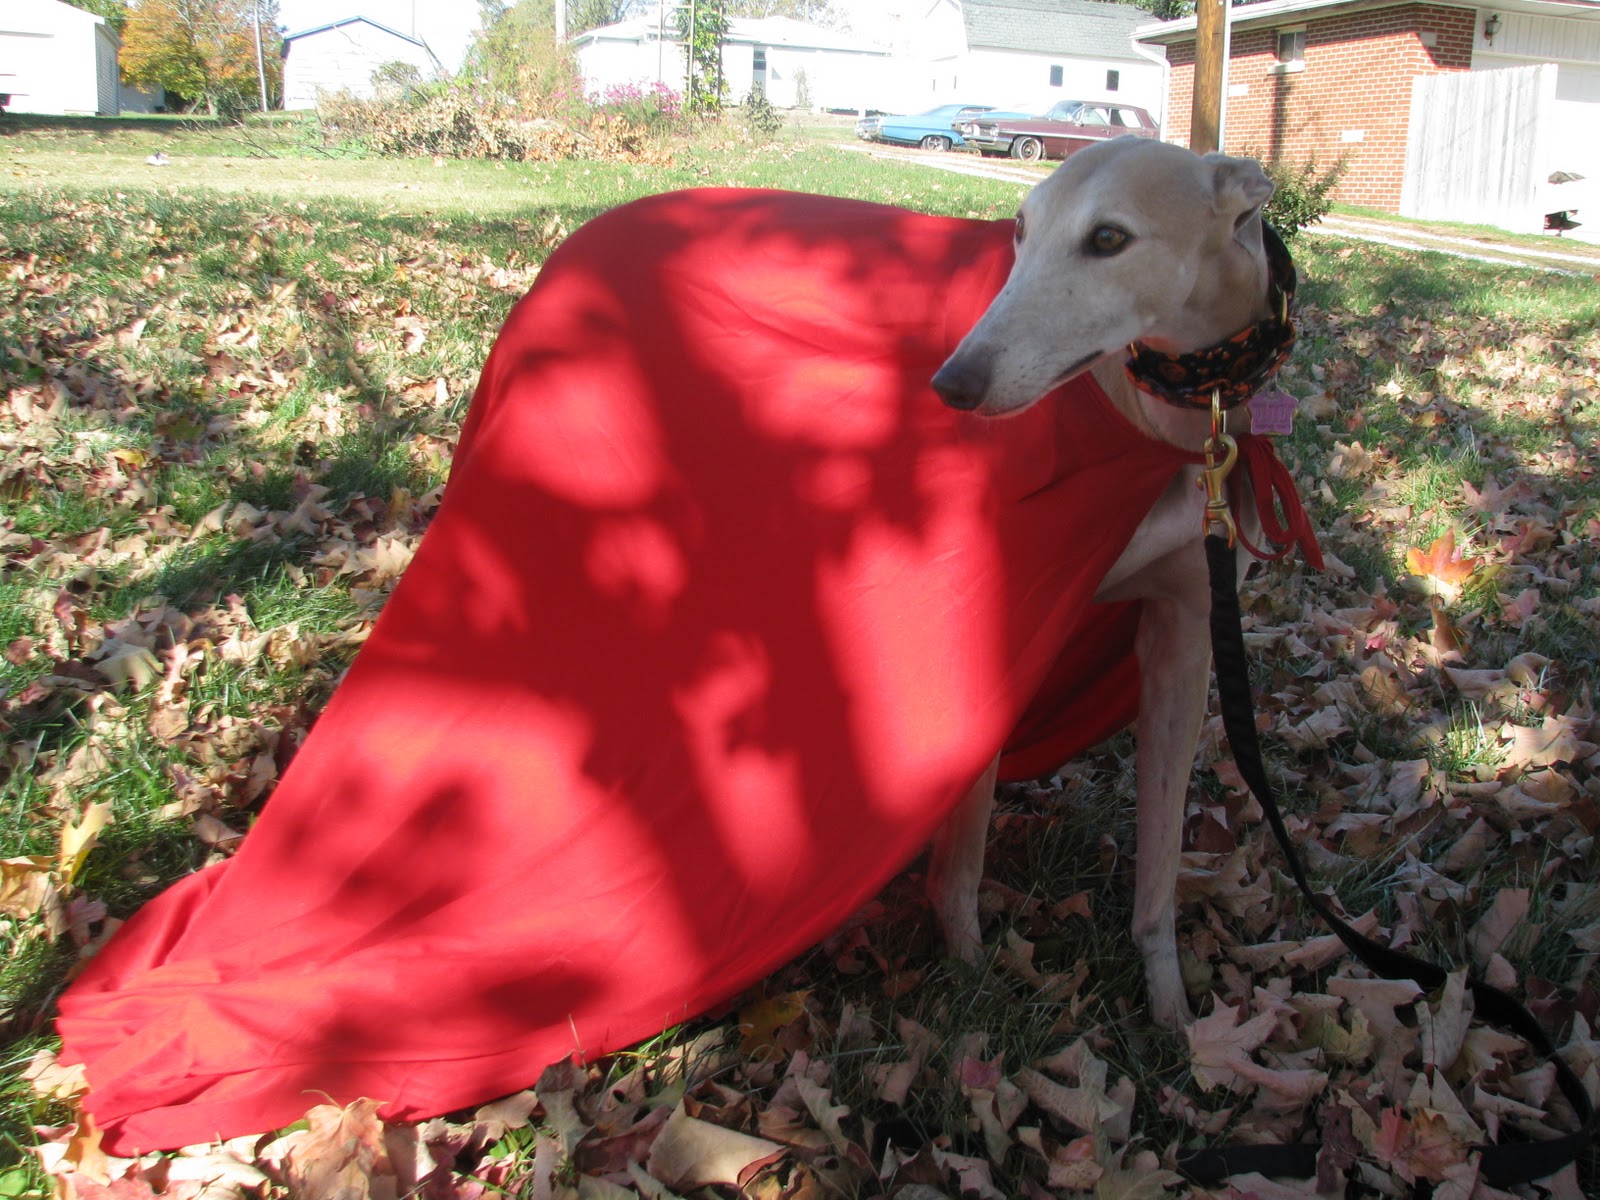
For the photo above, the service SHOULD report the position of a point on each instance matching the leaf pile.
(223, 433)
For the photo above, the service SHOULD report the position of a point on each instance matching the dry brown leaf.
(1509, 909)
(1558, 740)
(1085, 1108)
(1219, 1044)
(77, 840)
(339, 1155)
(689, 1153)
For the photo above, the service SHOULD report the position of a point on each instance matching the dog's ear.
(1239, 187)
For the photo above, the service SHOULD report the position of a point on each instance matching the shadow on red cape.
(722, 612)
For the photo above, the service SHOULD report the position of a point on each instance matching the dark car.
(932, 130)
(1063, 128)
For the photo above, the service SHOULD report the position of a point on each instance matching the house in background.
(1441, 110)
(58, 60)
(341, 57)
(1030, 54)
(794, 63)
(141, 99)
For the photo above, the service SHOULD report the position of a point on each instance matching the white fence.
(1474, 149)
(1482, 146)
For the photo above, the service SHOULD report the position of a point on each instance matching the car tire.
(935, 141)
(1028, 149)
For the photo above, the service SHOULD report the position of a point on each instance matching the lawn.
(233, 385)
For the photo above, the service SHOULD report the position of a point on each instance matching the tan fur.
(1191, 272)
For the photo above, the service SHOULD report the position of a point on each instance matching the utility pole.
(1205, 121)
(261, 63)
(561, 22)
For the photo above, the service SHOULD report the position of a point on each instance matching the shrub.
(456, 123)
(396, 80)
(1302, 195)
(653, 106)
(760, 116)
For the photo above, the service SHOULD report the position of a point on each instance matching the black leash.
(1500, 1166)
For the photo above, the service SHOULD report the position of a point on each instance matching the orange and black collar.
(1236, 367)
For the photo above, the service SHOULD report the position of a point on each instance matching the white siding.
(1542, 39)
(616, 63)
(1007, 77)
(49, 60)
(107, 78)
(946, 72)
(343, 58)
(838, 79)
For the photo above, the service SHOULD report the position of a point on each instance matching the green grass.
(271, 376)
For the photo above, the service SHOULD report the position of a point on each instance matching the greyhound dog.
(1130, 241)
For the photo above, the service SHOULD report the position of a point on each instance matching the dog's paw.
(962, 939)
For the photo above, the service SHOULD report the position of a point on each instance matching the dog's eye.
(1017, 237)
(1105, 240)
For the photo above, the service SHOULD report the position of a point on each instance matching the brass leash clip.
(1221, 453)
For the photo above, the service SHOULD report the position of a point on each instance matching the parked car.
(1055, 133)
(932, 130)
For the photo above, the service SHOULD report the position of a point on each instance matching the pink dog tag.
(1272, 411)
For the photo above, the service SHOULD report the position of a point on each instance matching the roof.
(760, 31)
(1088, 28)
(1274, 12)
(404, 37)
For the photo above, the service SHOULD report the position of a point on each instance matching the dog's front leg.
(955, 867)
(1174, 652)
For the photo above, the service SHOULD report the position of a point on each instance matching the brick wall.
(1353, 97)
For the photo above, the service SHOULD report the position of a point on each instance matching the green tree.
(701, 26)
(591, 14)
(818, 12)
(516, 59)
(1165, 10)
(114, 11)
(204, 50)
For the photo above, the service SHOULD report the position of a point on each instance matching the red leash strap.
(1274, 493)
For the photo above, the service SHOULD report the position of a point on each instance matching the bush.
(653, 106)
(396, 81)
(456, 123)
(1301, 196)
(760, 116)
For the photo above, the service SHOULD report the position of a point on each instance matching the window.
(1291, 51)
(1091, 116)
(1056, 76)
(1112, 79)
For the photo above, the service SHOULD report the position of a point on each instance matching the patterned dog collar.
(1235, 367)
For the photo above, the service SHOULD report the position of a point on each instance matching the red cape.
(722, 613)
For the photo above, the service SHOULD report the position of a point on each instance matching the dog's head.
(1129, 240)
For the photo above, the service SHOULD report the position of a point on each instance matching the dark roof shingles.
(1082, 27)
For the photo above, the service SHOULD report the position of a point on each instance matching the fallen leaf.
(689, 1153)
(1441, 567)
(77, 840)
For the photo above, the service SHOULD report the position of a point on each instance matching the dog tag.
(1272, 411)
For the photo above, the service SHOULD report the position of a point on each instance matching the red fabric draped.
(722, 612)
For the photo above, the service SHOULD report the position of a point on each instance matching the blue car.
(931, 130)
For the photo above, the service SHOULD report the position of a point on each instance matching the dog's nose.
(962, 383)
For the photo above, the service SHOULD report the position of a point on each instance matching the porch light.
(1491, 27)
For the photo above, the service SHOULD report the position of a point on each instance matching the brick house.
(1322, 79)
